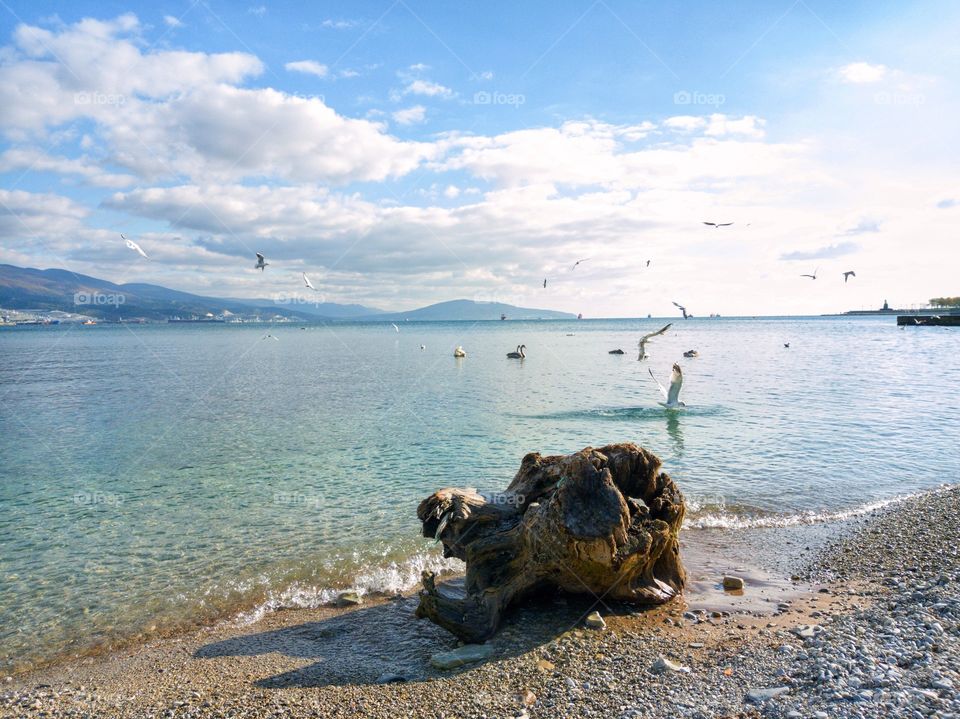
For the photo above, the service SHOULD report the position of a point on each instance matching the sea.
(156, 478)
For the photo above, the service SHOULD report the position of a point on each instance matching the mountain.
(470, 310)
(31, 289)
(24, 288)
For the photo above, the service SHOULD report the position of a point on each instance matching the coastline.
(849, 578)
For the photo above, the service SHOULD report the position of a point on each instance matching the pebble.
(595, 621)
(467, 654)
(348, 599)
(733, 583)
(662, 664)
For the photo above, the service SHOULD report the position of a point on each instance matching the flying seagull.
(673, 394)
(648, 263)
(578, 262)
(718, 224)
(261, 262)
(544, 282)
(642, 344)
(134, 246)
(682, 309)
(847, 275)
(308, 283)
(814, 275)
(397, 329)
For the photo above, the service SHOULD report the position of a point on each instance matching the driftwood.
(602, 521)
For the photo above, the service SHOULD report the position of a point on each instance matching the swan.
(518, 354)
(458, 352)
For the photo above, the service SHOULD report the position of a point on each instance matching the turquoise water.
(155, 477)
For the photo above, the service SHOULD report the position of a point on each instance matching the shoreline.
(327, 661)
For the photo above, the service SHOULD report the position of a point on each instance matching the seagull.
(459, 352)
(787, 345)
(648, 263)
(673, 395)
(642, 344)
(544, 282)
(134, 246)
(682, 309)
(269, 337)
(422, 347)
(308, 283)
(718, 224)
(848, 275)
(261, 262)
(814, 275)
(394, 327)
(578, 262)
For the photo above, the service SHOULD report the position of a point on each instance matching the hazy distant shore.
(866, 583)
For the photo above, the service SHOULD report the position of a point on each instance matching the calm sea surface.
(159, 476)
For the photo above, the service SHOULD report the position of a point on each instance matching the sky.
(402, 153)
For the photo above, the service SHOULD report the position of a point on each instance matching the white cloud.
(411, 115)
(31, 159)
(258, 10)
(862, 72)
(172, 21)
(309, 67)
(339, 24)
(451, 192)
(428, 88)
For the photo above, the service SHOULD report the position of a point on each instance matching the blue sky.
(402, 153)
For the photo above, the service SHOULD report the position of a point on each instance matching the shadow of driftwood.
(365, 645)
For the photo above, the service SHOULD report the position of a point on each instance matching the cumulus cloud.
(172, 21)
(411, 115)
(309, 67)
(822, 253)
(862, 226)
(35, 160)
(860, 73)
(427, 88)
(185, 113)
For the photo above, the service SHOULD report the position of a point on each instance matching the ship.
(503, 316)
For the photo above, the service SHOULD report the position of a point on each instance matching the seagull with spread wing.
(642, 344)
(847, 275)
(682, 309)
(814, 275)
(261, 262)
(308, 283)
(673, 394)
(134, 246)
(715, 225)
(578, 262)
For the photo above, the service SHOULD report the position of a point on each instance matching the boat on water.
(503, 316)
(89, 322)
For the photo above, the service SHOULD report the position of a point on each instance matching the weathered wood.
(603, 521)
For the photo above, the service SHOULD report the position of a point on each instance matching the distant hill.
(30, 289)
(470, 310)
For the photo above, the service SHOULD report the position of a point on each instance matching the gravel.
(870, 630)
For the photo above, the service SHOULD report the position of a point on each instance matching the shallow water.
(158, 476)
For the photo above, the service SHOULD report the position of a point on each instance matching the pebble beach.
(864, 624)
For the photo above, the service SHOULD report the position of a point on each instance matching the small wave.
(716, 517)
(389, 579)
